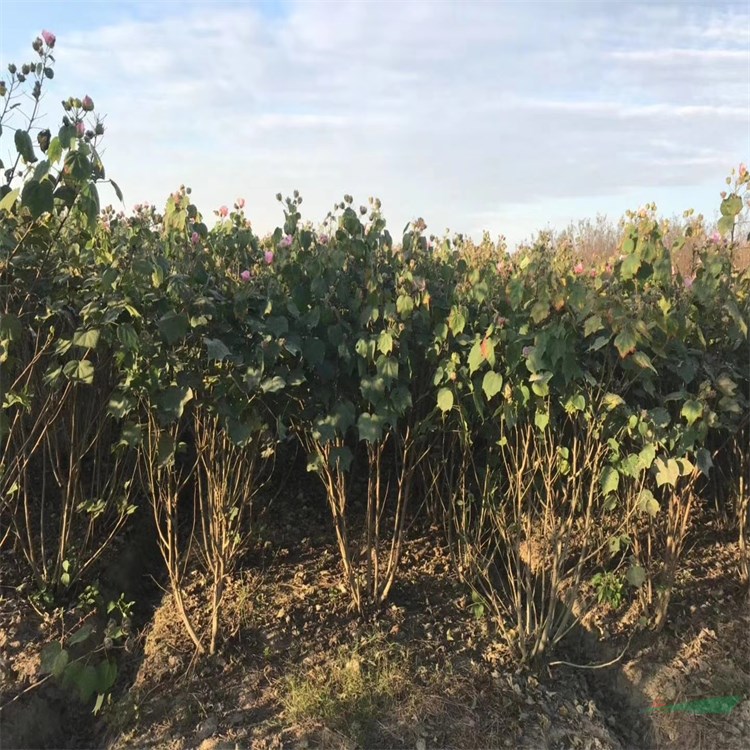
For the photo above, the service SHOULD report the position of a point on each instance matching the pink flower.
(578, 269)
(240, 203)
(268, 255)
(245, 275)
(49, 38)
(592, 273)
(688, 282)
(195, 238)
(285, 241)
(223, 211)
(87, 103)
(716, 237)
(743, 170)
(323, 239)
(80, 128)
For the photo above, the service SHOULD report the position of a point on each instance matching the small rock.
(206, 728)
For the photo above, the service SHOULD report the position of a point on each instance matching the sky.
(508, 117)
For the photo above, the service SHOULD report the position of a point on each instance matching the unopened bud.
(87, 104)
(12, 69)
(25, 69)
(99, 129)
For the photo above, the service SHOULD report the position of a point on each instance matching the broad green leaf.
(173, 326)
(404, 305)
(667, 472)
(81, 634)
(703, 461)
(592, 325)
(172, 401)
(86, 339)
(691, 410)
(612, 401)
(647, 503)
(610, 480)
(456, 321)
(625, 342)
(370, 427)
(636, 576)
(86, 682)
(79, 371)
(541, 419)
(643, 361)
(445, 399)
(9, 199)
(216, 349)
(385, 342)
(492, 383)
(106, 675)
(539, 311)
(475, 357)
(37, 196)
(24, 146)
(630, 266)
(273, 385)
(731, 205)
(55, 150)
(341, 458)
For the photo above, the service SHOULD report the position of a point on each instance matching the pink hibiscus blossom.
(285, 241)
(268, 255)
(195, 238)
(240, 203)
(223, 212)
(245, 275)
(578, 269)
(49, 38)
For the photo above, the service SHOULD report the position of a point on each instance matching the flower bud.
(278, 197)
(25, 69)
(37, 44)
(99, 129)
(43, 139)
(12, 69)
(3, 90)
(87, 104)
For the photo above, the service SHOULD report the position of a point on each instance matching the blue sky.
(504, 116)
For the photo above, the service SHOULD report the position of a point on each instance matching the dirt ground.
(299, 670)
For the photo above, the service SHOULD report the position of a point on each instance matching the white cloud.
(455, 111)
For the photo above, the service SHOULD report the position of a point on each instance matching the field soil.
(298, 669)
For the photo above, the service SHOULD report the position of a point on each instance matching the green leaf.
(172, 401)
(341, 458)
(667, 472)
(9, 200)
(117, 190)
(539, 311)
(445, 399)
(81, 634)
(89, 202)
(541, 419)
(86, 339)
(703, 461)
(106, 673)
(49, 656)
(647, 503)
(24, 146)
(37, 196)
(456, 321)
(404, 305)
(86, 682)
(370, 427)
(592, 325)
(636, 576)
(273, 385)
(643, 361)
(731, 206)
(55, 150)
(492, 383)
(216, 349)
(612, 401)
(610, 480)
(725, 225)
(691, 410)
(79, 371)
(173, 326)
(625, 342)
(630, 266)
(313, 350)
(475, 357)
(385, 342)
